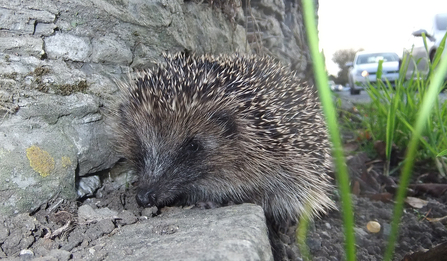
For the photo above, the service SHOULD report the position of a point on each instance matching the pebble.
(149, 212)
(325, 235)
(360, 232)
(87, 214)
(386, 230)
(314, 244)
(373, 227)
(61, 255)
(26, 254)
(126, 217)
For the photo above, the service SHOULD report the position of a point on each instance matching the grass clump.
(400, 116)
(391, 115)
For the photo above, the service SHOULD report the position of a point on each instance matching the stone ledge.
(234, 233)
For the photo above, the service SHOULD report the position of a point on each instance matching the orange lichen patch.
(66, 161)
(40, 160)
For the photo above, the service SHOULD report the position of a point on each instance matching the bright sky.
(376, 25)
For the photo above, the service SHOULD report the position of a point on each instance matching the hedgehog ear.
(226, 121)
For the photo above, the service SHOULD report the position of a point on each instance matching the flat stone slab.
(232, 233)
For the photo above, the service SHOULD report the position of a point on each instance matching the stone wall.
(59, 61)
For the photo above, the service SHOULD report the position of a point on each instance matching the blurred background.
(346, 26)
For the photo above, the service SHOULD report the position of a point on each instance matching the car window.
(376, 57)
(441, 22)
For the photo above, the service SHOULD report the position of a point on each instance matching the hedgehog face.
(178, 158)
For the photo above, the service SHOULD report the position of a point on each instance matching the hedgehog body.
(226, 129)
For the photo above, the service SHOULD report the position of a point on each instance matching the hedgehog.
(226, 129)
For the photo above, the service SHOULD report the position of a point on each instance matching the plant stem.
(331, 119)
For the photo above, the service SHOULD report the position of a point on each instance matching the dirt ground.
(63, 230)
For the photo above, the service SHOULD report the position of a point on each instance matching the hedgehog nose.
(145, 198)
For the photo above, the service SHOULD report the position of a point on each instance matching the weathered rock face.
(45, 144)
(59, 61)
(229, 233)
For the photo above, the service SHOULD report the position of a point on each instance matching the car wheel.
(354, 91)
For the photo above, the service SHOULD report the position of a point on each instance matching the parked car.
(434, 32)
(363, 69)
(335, 87)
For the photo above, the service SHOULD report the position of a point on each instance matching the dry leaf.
(434, 189)
(416, 202)
(437, 219)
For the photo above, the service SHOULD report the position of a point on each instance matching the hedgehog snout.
(146, 197)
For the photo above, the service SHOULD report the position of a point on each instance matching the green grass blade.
(424, 40)
(440, 116)
(331, 119)
(379, 70)
(439, 51)
(427, 104)
(391, 127)
(410, 128)
(301, 236)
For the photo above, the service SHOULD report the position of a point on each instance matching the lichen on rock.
(40, 160)
(66, 161)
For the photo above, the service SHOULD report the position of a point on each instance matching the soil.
(63, 230)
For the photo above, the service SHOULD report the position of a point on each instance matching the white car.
(364, 69)
(335, 87)
(434, 32)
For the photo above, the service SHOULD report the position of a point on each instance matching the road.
(348, 100)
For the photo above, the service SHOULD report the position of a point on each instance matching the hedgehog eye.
(193, 146)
